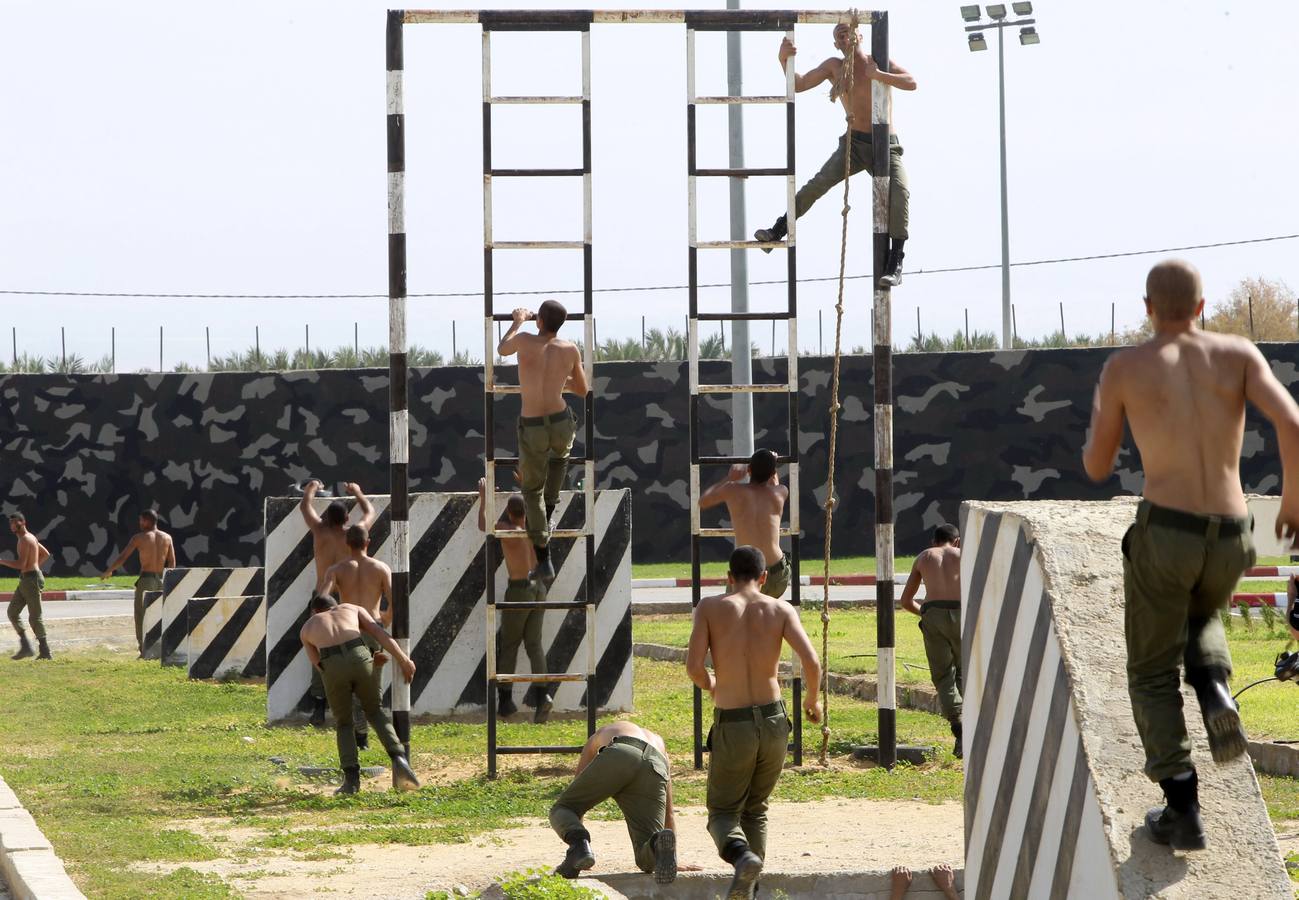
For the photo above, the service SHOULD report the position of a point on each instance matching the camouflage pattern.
(205, 449)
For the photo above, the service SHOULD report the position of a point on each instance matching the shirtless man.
(329, 543)
(939, 568)
(366, 582)
(519, 626)
(1183, 394)
(157, 552)
(750, 735)
(31, 581)
(858, 110)
(548, 368)
(756, 508)
(629, 764)
(334, 638)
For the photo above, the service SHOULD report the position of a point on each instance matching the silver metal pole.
(1007, 336)
(741, 354)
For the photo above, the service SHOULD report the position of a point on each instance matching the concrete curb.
(30, 868)
(1275, 759)
(821, 885)
(53, 596)
(861, 687)
(806, 580)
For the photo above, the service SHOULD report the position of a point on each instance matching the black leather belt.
(746, 713)
(339, 649)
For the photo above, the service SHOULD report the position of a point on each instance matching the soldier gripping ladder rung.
(586, 533)
(775, 22)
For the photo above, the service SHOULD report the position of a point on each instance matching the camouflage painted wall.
(82, 454)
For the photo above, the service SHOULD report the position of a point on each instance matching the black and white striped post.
(882, 332)
(399, 424)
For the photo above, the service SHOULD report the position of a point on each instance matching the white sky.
(239, 148)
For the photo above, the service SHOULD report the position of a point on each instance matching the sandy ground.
(821, 836)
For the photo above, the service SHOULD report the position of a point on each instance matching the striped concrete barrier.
(226, 636)
(179, 586)
(1055, 796)
(448, 603)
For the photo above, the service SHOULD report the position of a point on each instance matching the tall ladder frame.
(881, 318)
(770, 22)
(562, 22)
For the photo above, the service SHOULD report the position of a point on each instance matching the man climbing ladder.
(856, 99)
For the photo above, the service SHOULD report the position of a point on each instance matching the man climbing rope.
(629, 764)
(518, 626)
(329, 544)
(157, 552)
(548, 368)
(756, 507)
(743, 631)
(857, 105)
(1183, 394)
(939, 568)
(332, 638)
(31, 581)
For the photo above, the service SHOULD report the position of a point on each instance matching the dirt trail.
(820, 836)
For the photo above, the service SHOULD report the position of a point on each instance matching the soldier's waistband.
(939, 604)
(749, 713)
(546, 420)
(517, 582)
(779, 564)
(34, 573)
(634, 742)
(860, 136)
(340, 649)
(150, 574)
(1209, 526)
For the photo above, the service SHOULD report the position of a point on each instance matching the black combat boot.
(1178, 825)
(505, 705)
(351, 781)
(892, 276)
(1221, 719)
(544, 572)
(545, 703)
(403, 776)
(579, 857)
(664, 845)
(318, 712)
(24, 647)
(957, 751)
(45, 649)
(550, 512)
(770, 235)
(362, 740)
(748, 866)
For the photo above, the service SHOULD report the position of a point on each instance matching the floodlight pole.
(741, 354)
(1007, 340)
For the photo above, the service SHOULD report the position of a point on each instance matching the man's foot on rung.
(765, 236)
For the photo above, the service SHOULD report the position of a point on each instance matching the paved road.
(86, 609)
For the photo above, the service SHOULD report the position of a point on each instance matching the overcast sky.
(239, 148)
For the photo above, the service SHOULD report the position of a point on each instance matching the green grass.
(72, 582)
(847, 565)
(116, 755)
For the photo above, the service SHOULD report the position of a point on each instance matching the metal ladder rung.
(503, 605)
(511, 461)
(508, 101)
(730, 532)
(743, 388)
(547, 678)
(739, 173)
(778, 316)
(740, 460)
(732, 100)
(535, 173)
(535, 245)
(555, 749)
(743, 245)
(554, 533)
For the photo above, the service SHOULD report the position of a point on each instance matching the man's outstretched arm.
(122, 557)
(508, 345)
(309, 494)
(908, 600)
(812, 77)
(801, 644)
(896, 76)
(697, 652)
(1106, 432)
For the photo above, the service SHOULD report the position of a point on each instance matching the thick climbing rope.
(850, 65)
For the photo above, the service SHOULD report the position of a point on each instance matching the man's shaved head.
(1173, 290)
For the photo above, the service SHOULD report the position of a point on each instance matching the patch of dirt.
(820, 836)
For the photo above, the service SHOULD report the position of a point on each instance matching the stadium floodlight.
(1022, 9)
(997, 11)
(1029, 36)
(970, 13)
(977, 42)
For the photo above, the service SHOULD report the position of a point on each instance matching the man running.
(744, 630)
(858, 109)
(1183, 395)
(629, 764)
(31, 555)
(756, 508)
(329, 544)
(939, 568)
(157, 552)
(366, 582)
(333, 640)
(518, 626)
(548, 368)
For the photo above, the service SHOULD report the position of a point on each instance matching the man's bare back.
(337, 626)
(363, 581)
(520, 557)
(746, 631)
(548, 366)
(328, 541)
(605, 734)
(940, 570)
(155, 549)
(755, 510)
